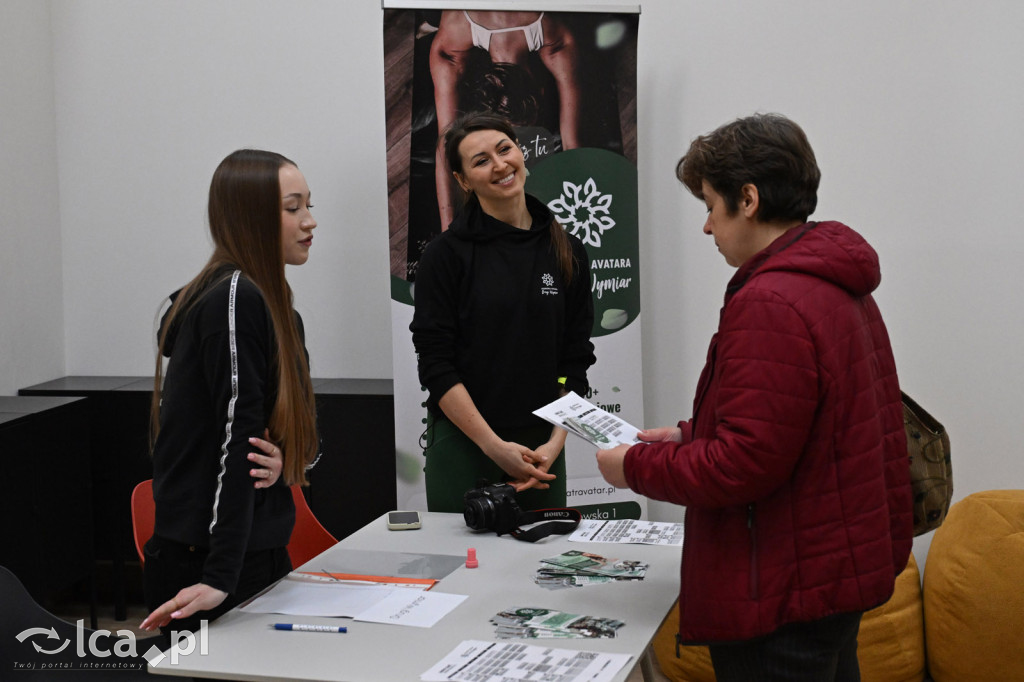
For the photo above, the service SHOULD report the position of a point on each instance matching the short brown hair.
(766, 150)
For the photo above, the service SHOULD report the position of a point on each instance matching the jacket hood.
(829, 250)
(172, 331)
(473, 225)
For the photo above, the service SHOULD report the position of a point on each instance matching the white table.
(244, 646)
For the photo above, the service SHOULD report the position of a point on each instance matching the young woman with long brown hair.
(237, 370)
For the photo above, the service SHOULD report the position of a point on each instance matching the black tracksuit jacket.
(219, 389)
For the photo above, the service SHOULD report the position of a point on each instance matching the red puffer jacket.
(793, 468)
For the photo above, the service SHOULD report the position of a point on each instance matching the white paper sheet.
(480, 661)
(371, 603)
(418, 609)
(308, 598)
(628, 531)
(589, 422)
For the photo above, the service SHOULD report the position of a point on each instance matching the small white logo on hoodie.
(548, 288)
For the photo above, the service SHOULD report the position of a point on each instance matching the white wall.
(151, 96)
(914, 109)
(915, 112)
(31, 307)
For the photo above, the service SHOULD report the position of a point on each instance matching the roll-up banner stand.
(580, 149)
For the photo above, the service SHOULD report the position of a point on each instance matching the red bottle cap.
(471, 561)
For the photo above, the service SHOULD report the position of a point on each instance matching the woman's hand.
(189, 600)
(521, 463)
(518, 461)
(611, 463)
(663, 434)
(270, 463)
(545, 455)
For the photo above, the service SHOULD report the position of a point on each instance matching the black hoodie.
(494, 312)
(218, 391)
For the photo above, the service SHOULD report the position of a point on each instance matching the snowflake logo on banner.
(583, 210)
(547, 279)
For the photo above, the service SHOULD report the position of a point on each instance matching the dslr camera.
(493, 507)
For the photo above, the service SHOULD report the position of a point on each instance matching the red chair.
(143, 516)
(309, 537)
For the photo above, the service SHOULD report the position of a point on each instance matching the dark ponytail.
(563, 250)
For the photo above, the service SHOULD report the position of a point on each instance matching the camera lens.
(479, 513)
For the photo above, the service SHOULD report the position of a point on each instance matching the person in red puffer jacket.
(793, 467)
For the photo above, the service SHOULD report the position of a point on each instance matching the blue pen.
(309, 628)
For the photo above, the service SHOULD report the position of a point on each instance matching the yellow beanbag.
(693, 663)
(974, 590)
(890, 644)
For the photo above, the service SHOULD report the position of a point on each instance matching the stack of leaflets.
(575, 569)
(534, 623)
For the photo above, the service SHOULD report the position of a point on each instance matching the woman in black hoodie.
(238, 370)
(501, 327)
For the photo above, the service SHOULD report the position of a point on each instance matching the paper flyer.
(589, 422)
(481, 661)
(626, 531)
(575, 562)
(535, 623)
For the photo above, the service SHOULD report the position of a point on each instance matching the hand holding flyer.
(589, 422)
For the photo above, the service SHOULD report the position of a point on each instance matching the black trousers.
(819, 651)
(171, 566)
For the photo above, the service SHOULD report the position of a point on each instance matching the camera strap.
(560, 521)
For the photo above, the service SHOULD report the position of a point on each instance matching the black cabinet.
(117, 455)
(354, 481)
(352, 484)
(47, 493)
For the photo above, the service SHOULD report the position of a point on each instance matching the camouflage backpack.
(931, 471)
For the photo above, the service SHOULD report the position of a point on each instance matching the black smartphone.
(403, 520)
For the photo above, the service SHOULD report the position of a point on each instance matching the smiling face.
(492, 167)
(297, 222)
